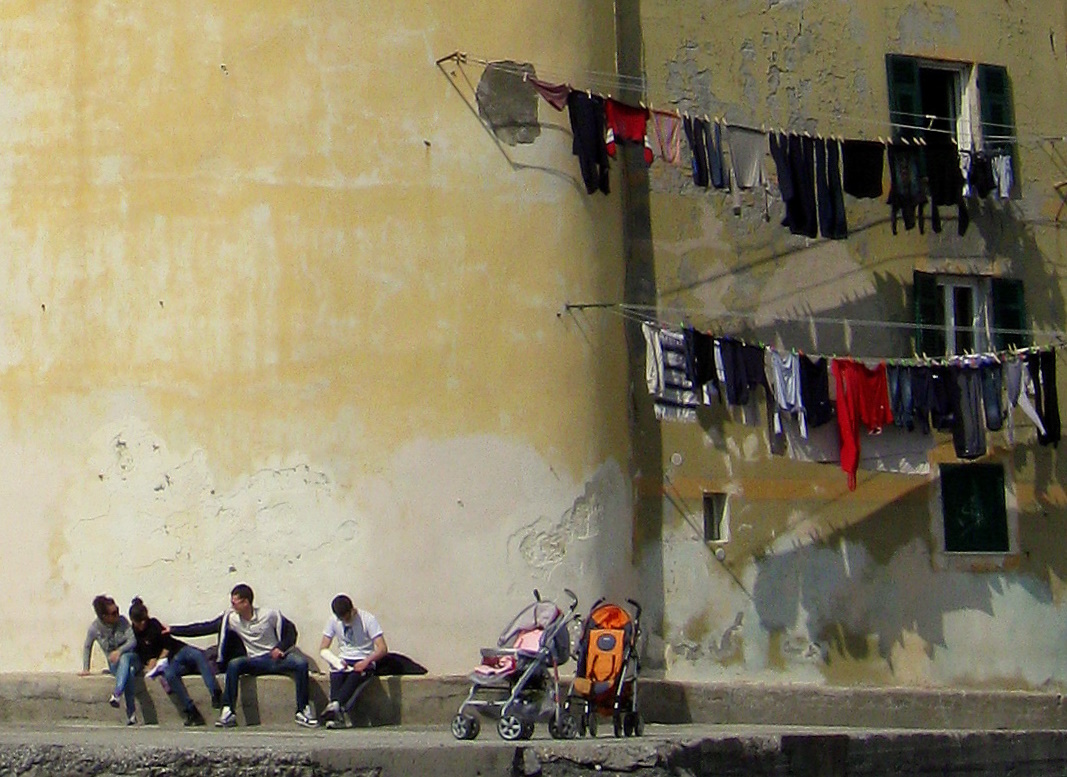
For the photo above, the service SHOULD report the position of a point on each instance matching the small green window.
(973, 506)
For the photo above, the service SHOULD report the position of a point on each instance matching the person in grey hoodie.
(113, 633)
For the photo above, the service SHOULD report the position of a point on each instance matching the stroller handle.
(637, 608)
(574, 598)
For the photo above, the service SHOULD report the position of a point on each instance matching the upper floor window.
(958, 314)
(940, 101)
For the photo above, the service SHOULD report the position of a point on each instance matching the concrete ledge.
(432, 701)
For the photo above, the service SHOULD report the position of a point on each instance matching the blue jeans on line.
(188, 660)
(125, 669)
(294, 664)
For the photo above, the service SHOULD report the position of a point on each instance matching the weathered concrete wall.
(818, 583)
(279, 310)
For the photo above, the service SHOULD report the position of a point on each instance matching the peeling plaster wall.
(816, 583)
(278, 309)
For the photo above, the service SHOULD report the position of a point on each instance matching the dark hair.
(102, 604)
(242, 591)
(138, 611)
(341, 606)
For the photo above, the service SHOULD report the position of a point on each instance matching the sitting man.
(265, 641)
(360, 644)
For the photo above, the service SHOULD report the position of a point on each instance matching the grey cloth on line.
(748, 148)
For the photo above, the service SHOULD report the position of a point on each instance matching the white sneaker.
(306, 717)
(113, 700)
(160, 665)
(333, 709)
(226, 719)
(132, 719)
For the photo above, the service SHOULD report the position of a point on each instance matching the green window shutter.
(973, 508)
(1009, 312)
(929, 301)
(998, 115)
(905, 97)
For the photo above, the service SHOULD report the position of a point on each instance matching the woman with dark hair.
(113, 634)
(163, 654)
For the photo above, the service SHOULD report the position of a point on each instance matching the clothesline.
(638, 84)
(636, 313)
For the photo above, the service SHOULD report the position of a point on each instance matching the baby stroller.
(608, 666)
(518, 680)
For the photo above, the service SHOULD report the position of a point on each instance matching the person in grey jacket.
(113, 633)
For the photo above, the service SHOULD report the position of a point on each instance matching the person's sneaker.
(306, 717)
(332, 711)
(334, 723)
(226, 719)
(113, 700)
(158, 668)
(131, 719)
(194, 718)
(216, 698)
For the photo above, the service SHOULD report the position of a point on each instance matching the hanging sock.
(554, 94)
(695, 132)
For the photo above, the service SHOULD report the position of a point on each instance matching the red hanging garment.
(862, 397)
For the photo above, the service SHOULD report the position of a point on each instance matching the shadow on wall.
(860, 591)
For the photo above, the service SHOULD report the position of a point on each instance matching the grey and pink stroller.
(517, 682)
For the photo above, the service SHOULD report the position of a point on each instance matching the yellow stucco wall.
(819, 583)
(277, 309)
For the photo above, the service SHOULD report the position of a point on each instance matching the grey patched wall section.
(507, 103)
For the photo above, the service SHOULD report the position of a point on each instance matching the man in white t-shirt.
(360, 645)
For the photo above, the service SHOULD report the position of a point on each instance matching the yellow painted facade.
(279, 310)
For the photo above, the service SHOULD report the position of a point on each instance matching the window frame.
(981, 560)
(999, 320)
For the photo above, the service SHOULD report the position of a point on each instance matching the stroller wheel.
(638, 723)
(465, 726)
(590, 723)
(511, 728)
(617, 723)
(566, 729)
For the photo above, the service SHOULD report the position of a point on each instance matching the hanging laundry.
(815, 391)
(803, 218)
(828, 190)
(696, 133)
(946, 185)
(992, 382)
(968, 433)
(906, 194)
(1018, 388)
(943, 403)
(900, 397)
(668, 130)
(700, 363)
(1042, 368)
(743, 370)
(587, 126)
(921, 396)
(864, 162)
(789, 187)
(718, 173)
(1002, 175)
(980, 181)
(862, 398)
(554, 94)
(747, 150)
(625, 123)
(673, 395)
(783, 376)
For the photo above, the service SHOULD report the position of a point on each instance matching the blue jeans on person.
(294, 664)
(125, 669)
(188, 660)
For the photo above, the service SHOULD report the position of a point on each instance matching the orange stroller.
(608, 667)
